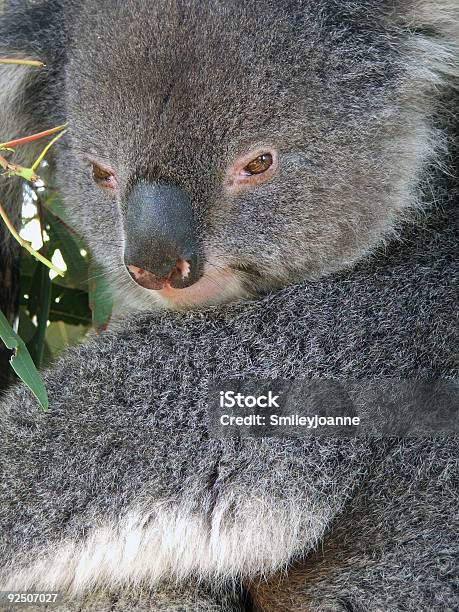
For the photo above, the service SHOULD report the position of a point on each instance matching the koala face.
(219, 149)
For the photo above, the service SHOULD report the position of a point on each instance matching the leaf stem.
(22, 62)
(45, 150)
(26, 245)
(15, 170)
(25, 139)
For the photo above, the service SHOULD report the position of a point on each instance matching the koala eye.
(260, 164)
(103, 176)
(252, 169)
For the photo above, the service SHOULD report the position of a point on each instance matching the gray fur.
(124, 454)
(350, 93)
(119, 493)
(163, 598)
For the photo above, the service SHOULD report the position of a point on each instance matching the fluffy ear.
(433, 66)
(434, 25)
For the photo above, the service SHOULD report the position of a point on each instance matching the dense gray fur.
(125, 449)
(118, 495)
(350, 93)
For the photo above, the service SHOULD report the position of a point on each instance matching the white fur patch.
(173, 543)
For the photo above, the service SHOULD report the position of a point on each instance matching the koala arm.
(121, 481)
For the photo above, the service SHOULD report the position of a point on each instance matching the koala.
(123, 495)
(290, 153)
(218, 150)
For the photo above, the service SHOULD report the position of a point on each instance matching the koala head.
(218, 150)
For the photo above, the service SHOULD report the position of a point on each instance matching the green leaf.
(100, 297)
(54, 204)
(7, 334)
(70, 247)
(27, 330)
(71, 307)
(41, 300)
(22, 363)
(59, 336)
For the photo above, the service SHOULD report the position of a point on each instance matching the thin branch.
(22, 62)
(32, 137)
(26, 245)
(15, 170)
(28, 173)
(45, 150)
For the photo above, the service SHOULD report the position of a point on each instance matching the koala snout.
(161, 244)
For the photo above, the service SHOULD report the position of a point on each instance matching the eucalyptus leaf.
(70, 247)
(26, 328)
(22, 363)
(54, 204)
(43, 303)
(69, 305)
(26, 331)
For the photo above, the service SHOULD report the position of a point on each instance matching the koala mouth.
(218, 284)
(175, 279)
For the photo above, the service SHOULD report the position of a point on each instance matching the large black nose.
(161, 238)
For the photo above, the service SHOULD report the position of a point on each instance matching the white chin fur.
(217, 285)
